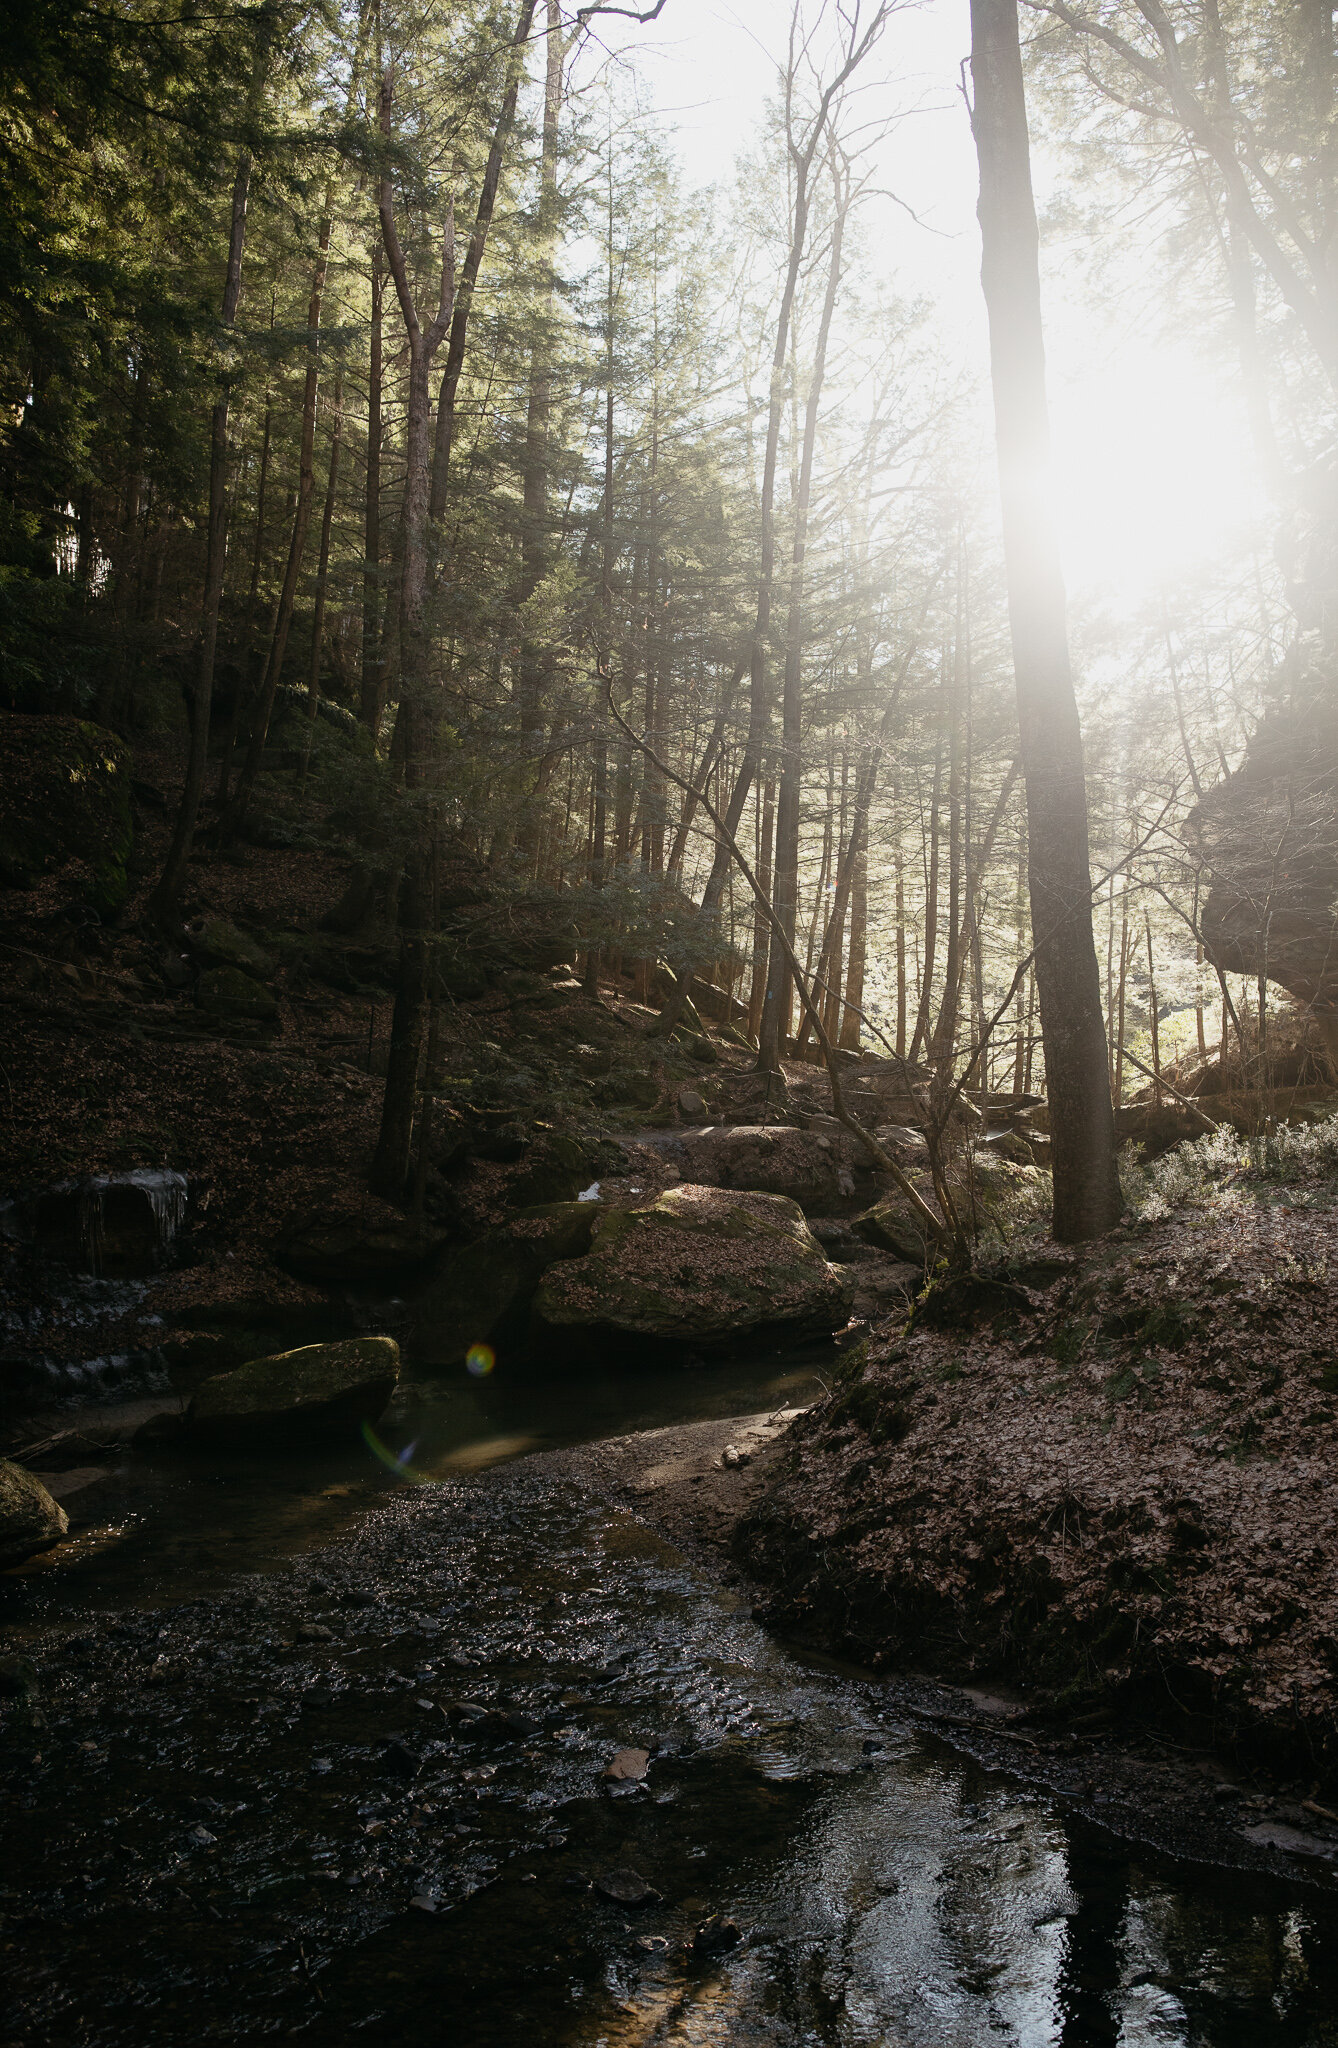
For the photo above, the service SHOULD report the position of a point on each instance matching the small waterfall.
(104, 1219)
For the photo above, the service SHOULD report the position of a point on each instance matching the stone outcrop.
(813, 1168)
(316, 1390)
(1267, 838)
(30, 1521)
(700, 1266)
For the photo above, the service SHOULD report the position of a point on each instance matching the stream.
(303, 1748)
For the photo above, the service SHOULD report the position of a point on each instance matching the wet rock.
(715, 1937)
(18, 1678)
(625, 1887)
(356, 1250)
(481, 1293)
(227, 992)
(628, 1767)
(30, 1521)
(310, 1391)
(814, 1168)
(697, 1265)
(399, 1758)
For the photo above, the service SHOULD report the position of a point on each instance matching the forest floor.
(1104, 1478)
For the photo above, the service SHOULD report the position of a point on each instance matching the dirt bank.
(704, 1486)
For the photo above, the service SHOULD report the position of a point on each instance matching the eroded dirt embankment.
(1108, 1479)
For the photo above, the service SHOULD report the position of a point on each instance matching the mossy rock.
(894, 1227)
(218, 943)
(555, 1169)
(227, 992)
(318, 1389)
(30, 1521)
(65, 795)
(699, 1265)
(481, 1293)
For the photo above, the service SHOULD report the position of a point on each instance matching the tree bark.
(1087, 1198)
(373, 670)
(469, 269)
(306, 484)
(390, 1165)
(164, 899)
(776, 1013)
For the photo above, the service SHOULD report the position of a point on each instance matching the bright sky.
(1154, 477)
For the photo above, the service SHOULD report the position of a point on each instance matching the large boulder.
(29, 1519)
(699, 1266)
(814, 1168)
(315, 1390)
(65, 795)
(218, 943)
(481, 1293)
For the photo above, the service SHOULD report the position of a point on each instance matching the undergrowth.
(1202, 1171)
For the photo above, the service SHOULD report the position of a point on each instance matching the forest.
(668, 762)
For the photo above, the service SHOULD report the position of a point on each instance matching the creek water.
(318, 1753)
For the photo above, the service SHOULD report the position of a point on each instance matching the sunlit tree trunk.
(1086, 1186)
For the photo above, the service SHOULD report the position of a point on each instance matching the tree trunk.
(534, 664)
(323, 566)
(851, 1022)
(776, 1016)
(373, 671)
(469, 269)
(1087, 1198)
(390, 1165)
(306, 484)
(164, 899)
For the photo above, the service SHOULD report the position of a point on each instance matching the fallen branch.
(1160, 1080)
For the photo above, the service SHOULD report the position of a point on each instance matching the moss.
(65, 796)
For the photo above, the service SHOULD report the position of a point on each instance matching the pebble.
(627, 1888)
(628, 1767)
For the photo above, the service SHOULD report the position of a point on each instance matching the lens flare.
(480, 1360)
(398, 1462)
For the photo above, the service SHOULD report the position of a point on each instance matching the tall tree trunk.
(469, 269)
(921, 1031)
(533, 666)
(851, 1022)
(776, 1015)
(1087, 1198)
(306, 484)
(390, 1165)
(323, 564)
(761, 927)
(168, 889)
(373, 701)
